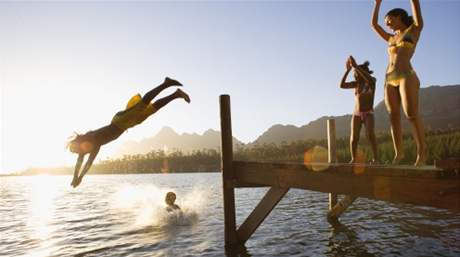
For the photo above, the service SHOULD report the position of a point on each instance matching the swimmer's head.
(170, 198)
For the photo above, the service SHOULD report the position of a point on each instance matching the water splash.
(146, 206)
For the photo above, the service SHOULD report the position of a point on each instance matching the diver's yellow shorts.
(135, 113)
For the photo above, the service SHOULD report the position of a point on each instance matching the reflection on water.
(124, 215)
(344, 240)
(42, 194)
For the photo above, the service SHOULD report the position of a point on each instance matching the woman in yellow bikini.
(364, 86)
(137, 110)
(402, 84)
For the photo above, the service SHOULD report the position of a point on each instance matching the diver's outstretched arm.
(375, 22)
(77, 169)
(88, 164)
(417, 12)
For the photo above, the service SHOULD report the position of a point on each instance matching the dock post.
(228, 175)
(341, 207)
(332, 155)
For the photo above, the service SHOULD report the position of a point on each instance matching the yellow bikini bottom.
(394, 78)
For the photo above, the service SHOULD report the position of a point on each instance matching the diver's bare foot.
(171, 82)
(421, 160)
(397, 159)
(183, 95)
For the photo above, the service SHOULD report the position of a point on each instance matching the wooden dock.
(427, 186)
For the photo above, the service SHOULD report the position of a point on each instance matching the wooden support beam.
(341, 207)
(332, 155)
(258, 215)
(406, 184)
(228, 176)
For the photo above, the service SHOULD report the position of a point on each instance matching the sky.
(69, 66)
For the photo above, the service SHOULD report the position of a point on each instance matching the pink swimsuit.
(363, 115)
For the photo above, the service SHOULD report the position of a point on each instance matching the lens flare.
(316, 159)
(165, 168)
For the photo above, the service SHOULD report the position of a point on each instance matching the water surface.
(123, 215)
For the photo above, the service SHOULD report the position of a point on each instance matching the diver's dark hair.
(365, 67)
(401, 13)
(76, 138)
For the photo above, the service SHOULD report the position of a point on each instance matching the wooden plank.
(228, 175)
(331, 155)
(365, 169)
(441, 192)
(449, 164)
(258, 215)
(246, 185)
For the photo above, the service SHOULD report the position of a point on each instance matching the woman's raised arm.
(417, 12)
(375, 22)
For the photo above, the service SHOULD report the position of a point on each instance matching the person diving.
(137, 110)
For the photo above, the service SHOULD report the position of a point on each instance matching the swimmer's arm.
(375, 24)
(417, 12)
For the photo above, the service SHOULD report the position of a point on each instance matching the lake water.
(123, 215)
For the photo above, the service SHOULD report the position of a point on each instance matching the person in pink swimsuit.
(364, 85)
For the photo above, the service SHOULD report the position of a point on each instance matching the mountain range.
(439, 108)
(167, 139)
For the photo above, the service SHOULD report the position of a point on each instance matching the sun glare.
(43, 192)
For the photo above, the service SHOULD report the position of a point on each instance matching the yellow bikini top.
(407, 40)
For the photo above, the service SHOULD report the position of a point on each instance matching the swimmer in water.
(169, 200)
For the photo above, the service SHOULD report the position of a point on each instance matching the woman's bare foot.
(351, 161)
(374, 162)
(183, 95)
(421, 160)
(171, 82)
(397, 159)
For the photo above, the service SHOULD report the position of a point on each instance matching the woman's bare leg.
(158, 104)
(354, 137)
(409, 97)
(148, 97)
(369, 123)
(393, 104)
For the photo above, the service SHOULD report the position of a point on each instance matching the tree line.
(440, 145)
